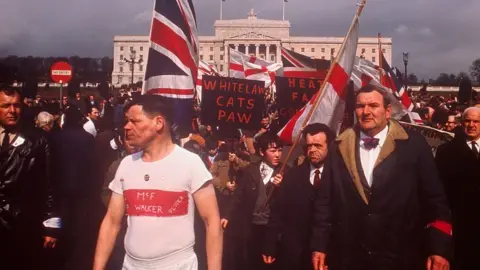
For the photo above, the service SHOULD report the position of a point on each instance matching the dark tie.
(5, 141)
(316, 178)
(474, 148)
(370, 143)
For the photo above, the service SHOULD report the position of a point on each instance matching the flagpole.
(283, 9)
(380, 58)
(221, 9)
(321, 90)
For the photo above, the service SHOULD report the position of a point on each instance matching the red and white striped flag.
(329, 107)
(204, 69)
(262, 73)
(237, 60)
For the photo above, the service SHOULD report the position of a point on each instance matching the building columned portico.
(252, 36)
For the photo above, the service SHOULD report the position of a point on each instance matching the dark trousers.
(21, 248)
(254, 249)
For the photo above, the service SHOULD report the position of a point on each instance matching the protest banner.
(434, 137)
(293, 94)
(230, 102)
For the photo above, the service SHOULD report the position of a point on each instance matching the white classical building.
(252, 36)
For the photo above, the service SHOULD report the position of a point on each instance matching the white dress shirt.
(368, 158)
(312, 173)
(266, 172)
(469, 143)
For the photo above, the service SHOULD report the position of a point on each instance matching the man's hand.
(224, 223)
(436, 262)
(49, 242)
(268, 259)
(318, 260)
(277, 180)
(231, 185)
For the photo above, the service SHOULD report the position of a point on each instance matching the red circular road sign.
(61, 72)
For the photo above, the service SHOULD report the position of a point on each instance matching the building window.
(201, 57)
(323, 57)
(222, 48)
(211, 57)
(384, 51)
(374, 59)
(140, 68)
(313, 49)
(374, 51)
(120, 79)
(323, 50)
(272, 58)
(303, 49)
(141, 49)
(141, 57)
(221, 67)
(131, 67)
(332, 51)
(121, 69)
(131, 48)
(121, 57)
(363, 50)
(121, 48)
(221, 57)
(211, 49)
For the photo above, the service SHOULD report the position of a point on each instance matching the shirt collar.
(313, 169)
(469, 142)
(381, 136)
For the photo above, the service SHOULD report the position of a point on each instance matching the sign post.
(61, 72)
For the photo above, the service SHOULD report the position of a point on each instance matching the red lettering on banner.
(156, 203)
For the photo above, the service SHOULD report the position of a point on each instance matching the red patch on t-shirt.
(156, 203)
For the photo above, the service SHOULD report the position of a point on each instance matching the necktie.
(5, 141)
(370, 143)
(316, 178)
(474, 148)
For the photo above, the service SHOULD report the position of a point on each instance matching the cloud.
(440, 35)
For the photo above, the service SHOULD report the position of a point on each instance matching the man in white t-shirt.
(158, 189)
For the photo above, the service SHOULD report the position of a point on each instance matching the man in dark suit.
(291, 216)
(459, 167)
(380, 203)
(79, 185)
(250, 209)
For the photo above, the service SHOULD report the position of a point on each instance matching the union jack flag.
(390, 80)
(301, 66)
(173, 57)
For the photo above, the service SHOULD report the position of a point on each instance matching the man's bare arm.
(109, 230)
(207, 207)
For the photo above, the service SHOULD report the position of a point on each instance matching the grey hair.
(44, 118)
(470, 109)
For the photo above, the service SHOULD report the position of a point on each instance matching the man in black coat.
(380, 203)
(288, 234)
(28, 208)
(459, 167)
(249, 211)
(79, 184)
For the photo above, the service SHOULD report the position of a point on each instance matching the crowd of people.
(104, 184)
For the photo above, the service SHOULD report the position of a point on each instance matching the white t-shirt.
(159, 203)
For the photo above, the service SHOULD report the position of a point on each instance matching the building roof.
(253, 21)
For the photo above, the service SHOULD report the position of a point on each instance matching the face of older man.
(471, 124)
(371, 112)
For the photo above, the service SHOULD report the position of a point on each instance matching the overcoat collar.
(347, 142)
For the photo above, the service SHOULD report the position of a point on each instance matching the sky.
(440, 35)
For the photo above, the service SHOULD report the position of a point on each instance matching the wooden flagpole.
(380, 58)
(320, 92)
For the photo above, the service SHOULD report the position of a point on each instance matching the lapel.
(255, 172)
(387, 159)
(347, 146)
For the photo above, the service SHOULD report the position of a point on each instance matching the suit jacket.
(460, 171)
(289, 228)
(392, 229)
(240, 211)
